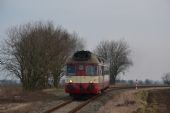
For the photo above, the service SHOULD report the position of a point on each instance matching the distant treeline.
(140, 82)
(128, 82)
(10, 83)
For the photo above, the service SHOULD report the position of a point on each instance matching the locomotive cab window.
(71, 70)
(81, 67)
(90, 70)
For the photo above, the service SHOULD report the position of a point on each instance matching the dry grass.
(127, 99)
(14, 100)
(10, 90)
(120, 103)
(154, 101)
(15, 94)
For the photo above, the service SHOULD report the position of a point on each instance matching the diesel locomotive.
(86, 73)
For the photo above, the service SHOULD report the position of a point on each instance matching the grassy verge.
(144, 107)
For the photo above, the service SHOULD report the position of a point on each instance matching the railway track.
(78, 107)
(75, 109)
(59, 106)
(84, 103)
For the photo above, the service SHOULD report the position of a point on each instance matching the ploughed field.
(159, 101)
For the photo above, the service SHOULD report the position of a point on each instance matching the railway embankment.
(143, 100)
(154, 101)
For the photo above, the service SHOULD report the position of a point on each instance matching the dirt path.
(121, 103)
(116, 101)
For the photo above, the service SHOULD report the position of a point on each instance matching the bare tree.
(35, 51)
(117, 54)
(166, 78)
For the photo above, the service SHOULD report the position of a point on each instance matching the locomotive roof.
(85, 57)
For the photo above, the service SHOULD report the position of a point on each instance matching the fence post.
(136, 84)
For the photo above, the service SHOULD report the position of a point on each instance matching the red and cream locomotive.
(86, 74)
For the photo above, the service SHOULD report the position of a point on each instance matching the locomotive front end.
(83, 74)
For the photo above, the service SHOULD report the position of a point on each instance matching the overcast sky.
(144, 24)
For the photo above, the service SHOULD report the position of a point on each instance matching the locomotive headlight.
(91, 81)
(70, 81)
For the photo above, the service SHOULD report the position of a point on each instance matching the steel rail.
(74, 110)
(58, 107)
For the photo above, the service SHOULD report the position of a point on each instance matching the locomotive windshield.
(71, 70)
(90, 70)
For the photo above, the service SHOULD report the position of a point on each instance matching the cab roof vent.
(82, 55)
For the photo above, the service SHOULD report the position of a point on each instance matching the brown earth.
(122, 102)
(158, 101)
(15, 100)
(147, 100)
(14, 94)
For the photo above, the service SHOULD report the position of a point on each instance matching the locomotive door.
(80, 71)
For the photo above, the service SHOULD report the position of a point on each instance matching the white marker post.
(136, 84)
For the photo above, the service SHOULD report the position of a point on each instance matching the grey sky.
(144, 24)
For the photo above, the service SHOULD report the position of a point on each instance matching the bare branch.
(117, 53)
(34, 50)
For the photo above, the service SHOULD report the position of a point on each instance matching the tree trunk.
(56, 77)
(56, 81)
(112, 79)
